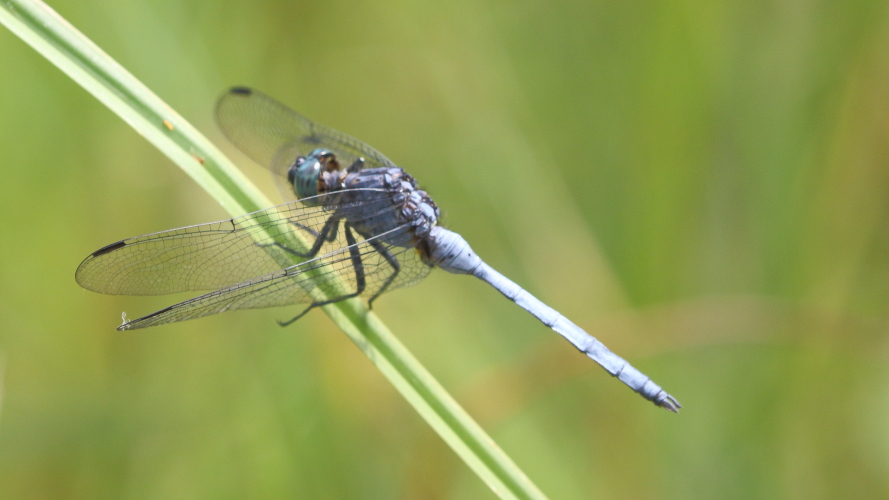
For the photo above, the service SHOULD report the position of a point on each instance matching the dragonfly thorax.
(389, 198)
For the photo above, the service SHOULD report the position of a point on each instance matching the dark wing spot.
(241, 90)
(159, 312)
(109, 248)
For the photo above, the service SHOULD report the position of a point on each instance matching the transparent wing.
(220, 254)
(356, 270)
(274, 135)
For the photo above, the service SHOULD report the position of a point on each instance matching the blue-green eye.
(291, 172)
(305, 177)
(304, 173)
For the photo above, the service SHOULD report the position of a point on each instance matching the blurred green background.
(704, 186)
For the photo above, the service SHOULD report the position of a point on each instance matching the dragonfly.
(354, 225)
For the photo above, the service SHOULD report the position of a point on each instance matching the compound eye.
(291, 172)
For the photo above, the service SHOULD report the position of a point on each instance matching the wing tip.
(140, 322)
(82, 273)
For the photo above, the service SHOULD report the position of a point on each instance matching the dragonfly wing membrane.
(328, 277)
(214, 255)
(273, 135)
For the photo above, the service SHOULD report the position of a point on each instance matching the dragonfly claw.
(668, 402)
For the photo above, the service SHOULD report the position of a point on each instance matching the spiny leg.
(315, 234)
(382, 250)
(360, 281)
(328, 233)
(358, 165)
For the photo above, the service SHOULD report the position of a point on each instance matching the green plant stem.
(59, 42)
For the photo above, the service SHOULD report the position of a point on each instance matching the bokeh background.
(704, 186)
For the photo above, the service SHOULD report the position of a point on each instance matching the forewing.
(219, 254)
(274, 135)
(335, 275)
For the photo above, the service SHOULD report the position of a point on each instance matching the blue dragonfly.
(356, 226)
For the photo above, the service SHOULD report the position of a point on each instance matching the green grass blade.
(58, 41)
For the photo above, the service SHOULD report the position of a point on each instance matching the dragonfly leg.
(358, 165)
(328, 233)
(316, 234)
(396, 266)
(300, 315)
(305, 228)
(360, 279)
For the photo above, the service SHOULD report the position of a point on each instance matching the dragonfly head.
(305, 172)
